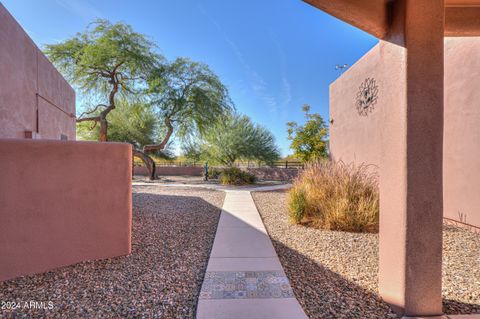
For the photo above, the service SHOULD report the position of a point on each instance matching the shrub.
(214, 173)
(235, 176)
(296, 204)
(336, 196)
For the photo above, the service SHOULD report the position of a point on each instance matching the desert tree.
(193, 150)
(104, 61)
(238, 138)
(309, 141)
(188, 98)
(132, 122)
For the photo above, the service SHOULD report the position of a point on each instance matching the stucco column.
(411, 203)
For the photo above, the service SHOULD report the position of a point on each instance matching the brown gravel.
(173, 231)
(334, 274)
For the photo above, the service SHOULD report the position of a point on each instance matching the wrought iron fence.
(276, 164)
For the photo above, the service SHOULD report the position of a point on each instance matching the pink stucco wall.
(461, 174)
(353, 138)
(62, 202)
(356, 138)
(276, 174)
(171, 170)
(34, 97)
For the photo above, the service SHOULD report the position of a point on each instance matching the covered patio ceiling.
(462, 17)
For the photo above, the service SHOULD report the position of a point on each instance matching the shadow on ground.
(325, 294)
(172, 239)
(322, 292)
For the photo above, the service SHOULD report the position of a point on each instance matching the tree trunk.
(161, 146)
(103, 130)
(148, 161)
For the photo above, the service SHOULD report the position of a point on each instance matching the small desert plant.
(214, 173)
(235, 176)
(296, 204)
(336, 196)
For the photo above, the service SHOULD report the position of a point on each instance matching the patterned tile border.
(245, 285)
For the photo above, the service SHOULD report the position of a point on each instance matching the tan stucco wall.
(62, 202)
(171, 170)
(461, 174)
(356, 138)
(29, 82)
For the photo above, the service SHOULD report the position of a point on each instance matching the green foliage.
(309, 141)
(192, 150)
(236, 138)
(297, 204)
(336, 196)
(103, 62)
(188, 96)
(214, 173)
(90, 59)
(235, 176)
(133, 122)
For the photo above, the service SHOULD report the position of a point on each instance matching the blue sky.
(274, 55)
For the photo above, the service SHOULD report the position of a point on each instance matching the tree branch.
(92, 111)
(92, 118)
(161, 146)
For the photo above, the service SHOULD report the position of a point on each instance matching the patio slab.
(244, 277)
(247, 219)
(286, 308)
(242, 242)
(245, 264)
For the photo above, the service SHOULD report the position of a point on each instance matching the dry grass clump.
(336, 196)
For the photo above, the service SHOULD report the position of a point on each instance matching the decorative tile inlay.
(245, 284)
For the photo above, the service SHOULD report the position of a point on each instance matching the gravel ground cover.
(173, 232)
(334, 274)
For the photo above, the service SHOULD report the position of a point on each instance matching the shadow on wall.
(172, 238)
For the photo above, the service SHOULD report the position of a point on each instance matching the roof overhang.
(462, 17)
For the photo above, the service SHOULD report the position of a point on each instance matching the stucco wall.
(353, 138)
(461, 175)
(171, 170)
(274, 173)
(61, 202)
(34, 96)
(356, 138)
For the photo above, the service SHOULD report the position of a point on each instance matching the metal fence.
(277, 164)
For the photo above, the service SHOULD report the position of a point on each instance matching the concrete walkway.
(218, 187)
(244, 277)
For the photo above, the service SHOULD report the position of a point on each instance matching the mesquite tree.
(104, 61)
(188, 98)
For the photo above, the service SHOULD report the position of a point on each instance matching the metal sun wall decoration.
(367, 96)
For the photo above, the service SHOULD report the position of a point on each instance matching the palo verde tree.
(105, 61)
(310, 140)
(193, 150)
(238, 138)
(188, 98)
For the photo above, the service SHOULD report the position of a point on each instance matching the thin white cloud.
(286, 88)
(82, 8)
(257, 82)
